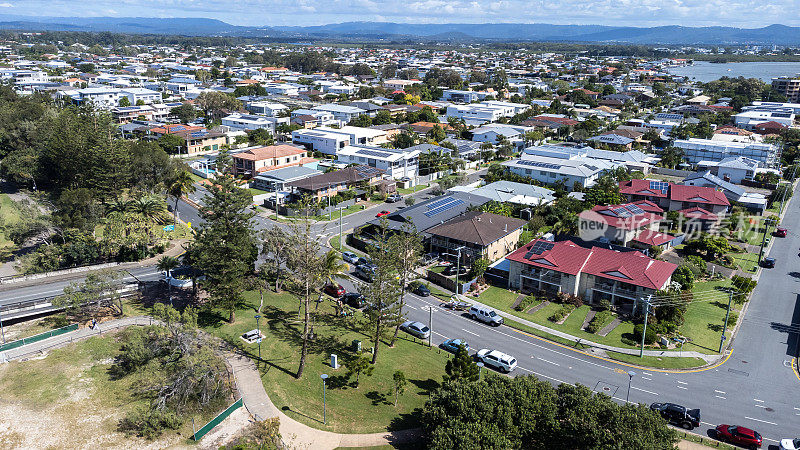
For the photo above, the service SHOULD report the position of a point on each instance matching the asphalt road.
(755, 386)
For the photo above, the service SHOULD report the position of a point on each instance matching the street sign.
(169, 228)
(258, 341)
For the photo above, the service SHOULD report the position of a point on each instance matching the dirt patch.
(230, 428)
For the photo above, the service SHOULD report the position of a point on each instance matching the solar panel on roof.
(621, 212)
(373, 153)
(540, 247)
(634, 209)
(662, 186)
(450, 203)
(539, 164)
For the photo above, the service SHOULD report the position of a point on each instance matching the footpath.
(248, 383)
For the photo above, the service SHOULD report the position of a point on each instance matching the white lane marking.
(797, 408)
(648, 379)
(640, 389)
(682, 382)
(708, 424)
(757, 400)
(681, 387)
(760, 406)
(470, 332)
(645, 373)
(409, 306)
(540, 374)
(719, 396)
(551, 362)
(719, 392)
(771, 440)
(759, 420)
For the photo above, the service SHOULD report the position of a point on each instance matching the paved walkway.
(248, 384)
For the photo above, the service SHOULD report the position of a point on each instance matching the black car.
(451, 270)
(354, 299)
(768, 263)
(421, 290)
(678, 415)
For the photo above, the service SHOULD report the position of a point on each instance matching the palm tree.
(568, 224)
(166, 264)
(118, 207)
(333, 267)
(148, 207)
(179, 186)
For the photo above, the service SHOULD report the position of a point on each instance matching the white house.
(696, 150)
(244, 122)
(321, 141)
(748, 120)
(319, 118)
(341, 112)
(145, 95)
(550, 170)
(397, 163)
(266, 108)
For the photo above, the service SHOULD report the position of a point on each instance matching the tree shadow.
(210, 318)
(719, 304)
(715, 327)
(425, 386)
(407, 421)
(378, 398)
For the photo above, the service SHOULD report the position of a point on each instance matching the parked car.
(451, 270)
(417, 329)
(361, 260)
(354, 299)
(391, 198)
(382, 213)
(738, 435)
(420, 289)
(780, 232)
(451, 345)
(768, 263)
(497, 360)
(790, 444)
(366, 271)
(349, 257)
(485, 315)
(678, 415)
(334, 290)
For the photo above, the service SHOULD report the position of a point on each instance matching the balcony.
(616, 289)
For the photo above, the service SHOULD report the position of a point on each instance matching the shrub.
(732, 318)
(597, 321)
(561, 313)
(650, 336)
(527, 302)
(604, 305)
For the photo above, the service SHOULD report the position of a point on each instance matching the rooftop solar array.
(374, 153)
(662, 186)
(539, 164)
(622, 212)
(635, 209)
(195, 134)
(538, 248)
(627, 211)
(442, 206)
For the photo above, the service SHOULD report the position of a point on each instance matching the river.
(705, 71)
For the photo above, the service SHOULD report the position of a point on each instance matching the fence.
(217, 420)
(449, 283)
(38, 337)
(671, 172)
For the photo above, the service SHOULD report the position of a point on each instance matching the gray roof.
(611, 139)
(629, 156)
(711, 180)
(288, 173)
(503, 191)
(416, 214)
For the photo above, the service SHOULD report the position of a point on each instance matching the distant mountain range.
(452, 32)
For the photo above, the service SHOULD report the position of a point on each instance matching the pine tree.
(461, 367)
(406, 247)
(225, 244)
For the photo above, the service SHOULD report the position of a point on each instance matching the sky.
(740, 13)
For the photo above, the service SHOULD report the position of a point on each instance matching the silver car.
(417, 329)
(349, 257)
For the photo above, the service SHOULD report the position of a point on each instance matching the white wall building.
(696, 150)
(398, 163)
(341, 112)
(266, 108)
(244, 122)
(321, 141)
(145, 95)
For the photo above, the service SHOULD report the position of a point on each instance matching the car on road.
(496, 360)
(334, 290)
(417, 329)
(354, 299)
(350, 257)
(738, 435)
(391, 198)
(678, 415)
(420, 289)
(486, 315)
(768, 263)
(780, 232)
(366, 271)
(451, 345)
(790, 444)
(382, 213)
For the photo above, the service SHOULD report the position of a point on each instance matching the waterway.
(705, 71)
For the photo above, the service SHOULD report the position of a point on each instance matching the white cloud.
(6, 5)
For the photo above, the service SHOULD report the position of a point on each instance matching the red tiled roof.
(269, 152)
(651, 237)
(697, 194)
(698, 213)
(770, 125)
(628, 267)
(648, 206)
(640, 187)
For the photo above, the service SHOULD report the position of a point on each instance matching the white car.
(417, 329)
(350, 257)
(790, 444)
(497, 360)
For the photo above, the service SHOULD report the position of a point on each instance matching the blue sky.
(744, 13)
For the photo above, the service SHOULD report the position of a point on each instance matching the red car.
(739, 436)
(780, 232)
(382, 213)
(334, 290)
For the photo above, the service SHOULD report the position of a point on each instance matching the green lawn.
(254, 191)
(705, 314)
(368, 408)
(347, 211)
(412, 190)
(747, 262)
(658, 363)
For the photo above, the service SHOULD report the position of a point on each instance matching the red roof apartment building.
(630, 224)
(594, 273)
(675, 197)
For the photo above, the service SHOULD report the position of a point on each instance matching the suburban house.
(276, 180)
(593, 273)
(476, 235)
(398, 85)
(196, 139)
(696, 150)
(551, 169)
(733, 169)
(320, 140)
(266, 108)
(550, 122)
(331, 183)
(628, 225)
(310, 118)
(396, 163)
(341, 112)
(510, 192)
(752, 201)
(245, 122)
(428, 213)
(613, 140)
(249, 163)
(423, 128)
(675, 197)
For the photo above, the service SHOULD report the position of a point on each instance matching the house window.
(543, 173)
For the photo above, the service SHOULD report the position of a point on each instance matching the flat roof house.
(341, 112)
(593, 273)
(246, 122)
(696, 150)
(550, 170)
(396, 163)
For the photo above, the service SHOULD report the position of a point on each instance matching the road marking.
(757, 400)
(681, 387)
(797, 409)
(470, 332)
(719, 392)
(719, 396)
(682, 382)
(760, 406)
(550, 362)
(540, 374)
(645, 373)
(640, 389)
(648, 379)
(708, 424)
(409, 306)
(759, 420)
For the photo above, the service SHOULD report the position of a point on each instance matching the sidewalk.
(248, 384)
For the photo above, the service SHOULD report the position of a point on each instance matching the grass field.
(747, 262)
(346, 405)
(705, 315)
(412, 190)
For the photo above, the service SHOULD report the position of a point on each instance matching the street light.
(631, 374)
(458, 264)
(480, 369)
(258, 328)
(324, 377)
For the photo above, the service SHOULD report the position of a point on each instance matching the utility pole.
(725, 324)
(764, 239)
(644, 330)
(340, 228)
(791, 185)
(430, 325)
